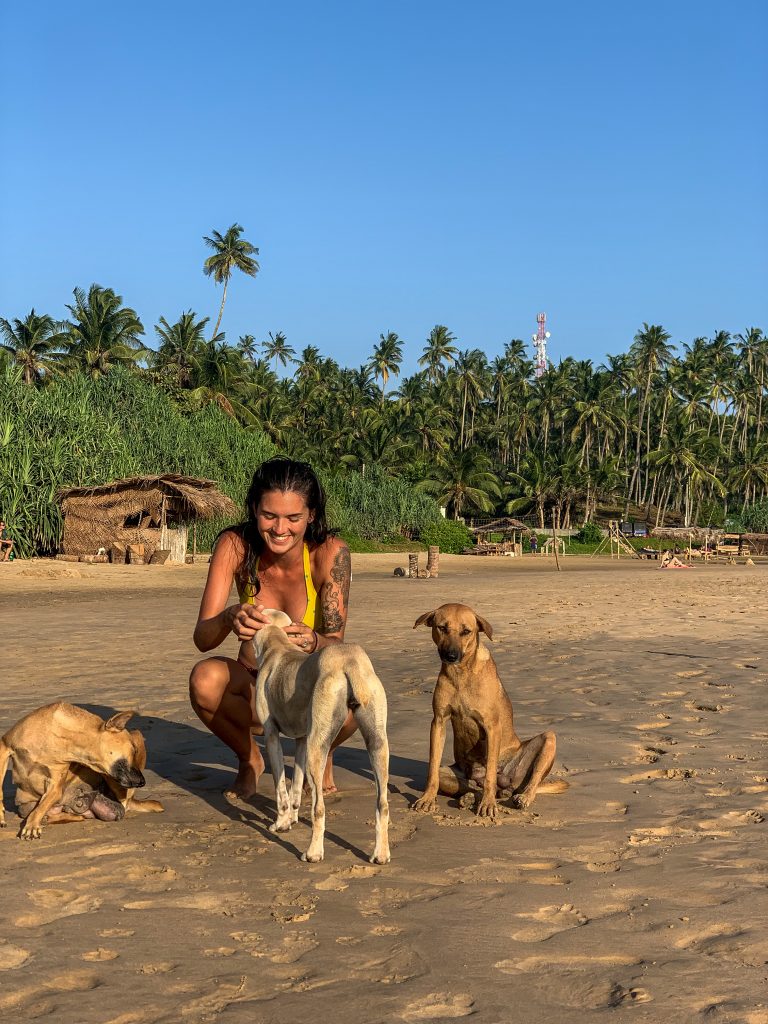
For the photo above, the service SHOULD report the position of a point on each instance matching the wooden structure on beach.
(511, 531)
(150, 512)
(713, 542)
(617, 542)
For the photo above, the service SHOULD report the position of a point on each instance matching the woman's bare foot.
(329, 786)
(248, 774)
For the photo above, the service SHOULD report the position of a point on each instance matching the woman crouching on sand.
(283, 556)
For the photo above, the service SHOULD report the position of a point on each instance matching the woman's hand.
(246, 620)
(305, 638)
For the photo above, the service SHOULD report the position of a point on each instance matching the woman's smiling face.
(282, 518)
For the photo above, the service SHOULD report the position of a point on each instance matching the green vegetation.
(450, 537)
(752, 519)
(675, 437)
(590, 533)
(80, 430)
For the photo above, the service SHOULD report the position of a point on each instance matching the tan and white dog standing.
(307, 697)
(69, 765)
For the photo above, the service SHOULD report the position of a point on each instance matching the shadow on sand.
(190, 758)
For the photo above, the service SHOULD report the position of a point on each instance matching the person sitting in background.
(670, 561)
(6, 544)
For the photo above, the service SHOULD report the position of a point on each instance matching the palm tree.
(216, 375)
(438, 351)
(683, 458)
(102, 333)
(650, 352)
(30, 343)
(248, 347)
(277, 348)
(463, 479)
(179, 345)
(536, 484)
(230, 253)
(386, 359)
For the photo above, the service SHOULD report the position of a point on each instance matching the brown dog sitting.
(486, 748)
(69, 765)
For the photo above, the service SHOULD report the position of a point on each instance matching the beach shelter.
(154, 511)
(510, 530)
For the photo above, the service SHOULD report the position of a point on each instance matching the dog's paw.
(380, 858)
(311, 858)
(487, 808)
(281, 825)
(425, 803)
(521, 801)
(30, 832)
(3, 822)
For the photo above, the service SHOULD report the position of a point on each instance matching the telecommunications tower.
(540, 344)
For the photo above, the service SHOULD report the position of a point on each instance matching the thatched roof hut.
(699, 534)
(504, 524)
(153, 511)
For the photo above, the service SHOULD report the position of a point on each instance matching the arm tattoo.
(336, 593)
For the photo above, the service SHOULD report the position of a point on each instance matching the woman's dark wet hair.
(281, 475)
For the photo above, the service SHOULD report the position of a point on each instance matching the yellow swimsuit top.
(313, 616)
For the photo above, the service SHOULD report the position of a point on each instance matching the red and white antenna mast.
(540, 344)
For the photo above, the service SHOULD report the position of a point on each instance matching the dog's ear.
(484, 627)
(277, 618)
(427, 619)
(119, 721)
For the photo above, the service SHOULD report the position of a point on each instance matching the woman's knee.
(207, 682)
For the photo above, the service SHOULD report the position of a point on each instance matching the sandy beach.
(641, 891)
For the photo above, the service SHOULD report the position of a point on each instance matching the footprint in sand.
(70, 981)
(339, 880)
(99, 954)
(382, 902)
(727, 940)
(611, 807)
(291, 905)
(439, 1006)
(12, 956)
(55, 904)
(650, 755)
(399, 965)
(162, 967)
(690, 673)
(293, 947)
(548, 921)
(580, 993)
(110, 849)
(657, 774)
(563, 962)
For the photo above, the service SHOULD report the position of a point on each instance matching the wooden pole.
(554, 535)
(194, 539)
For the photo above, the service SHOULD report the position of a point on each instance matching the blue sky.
(399, 165)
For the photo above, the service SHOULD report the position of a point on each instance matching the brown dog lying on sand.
(69, 765)
(486, 748)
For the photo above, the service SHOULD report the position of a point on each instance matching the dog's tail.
(5, 757)
(359, 672)
(550, 787)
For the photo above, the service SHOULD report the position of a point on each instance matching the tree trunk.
(221, 309)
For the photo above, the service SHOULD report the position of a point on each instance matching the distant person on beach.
(6, 544)
(534, 542)
(282, 556)
(671, 561)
